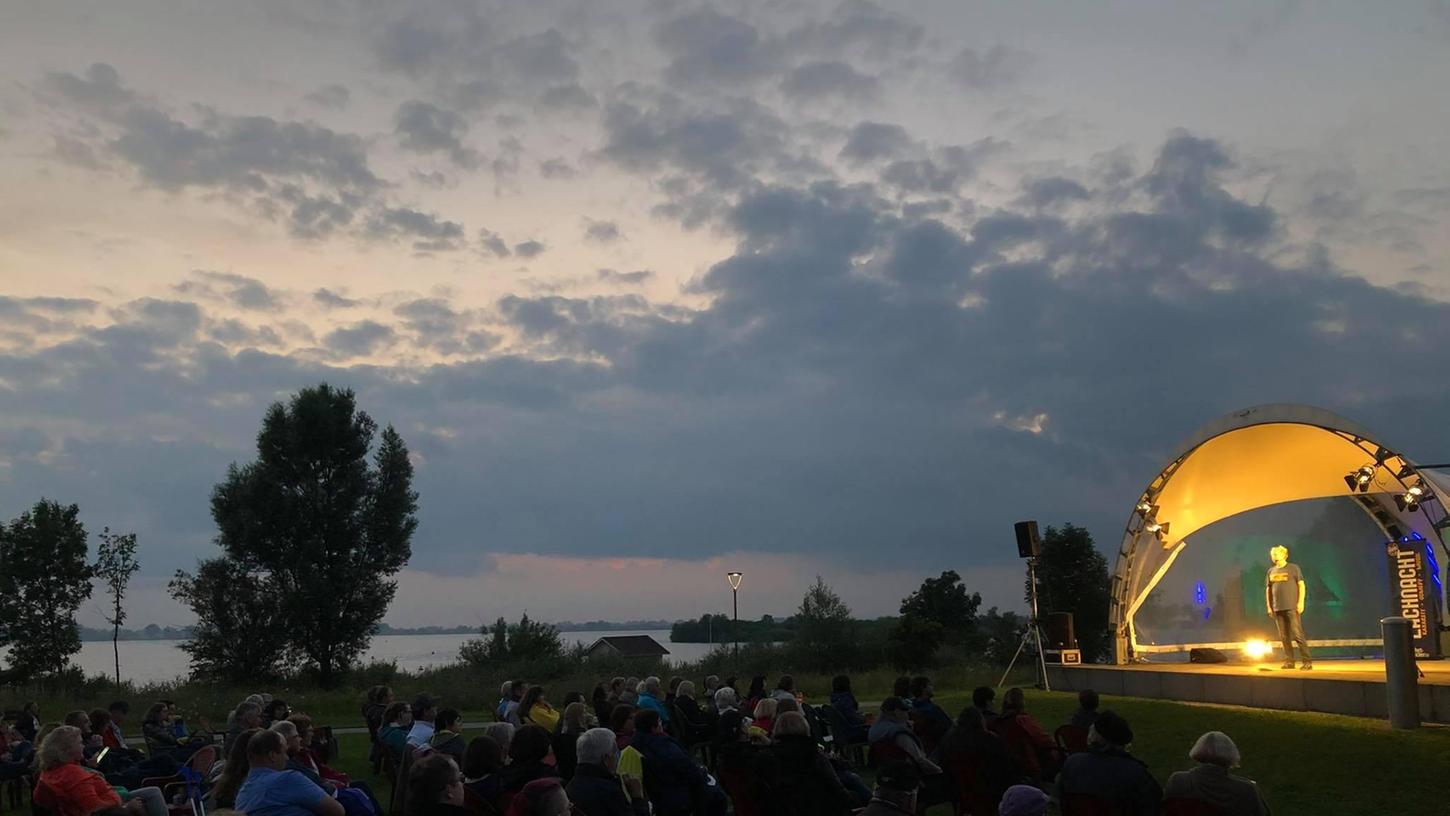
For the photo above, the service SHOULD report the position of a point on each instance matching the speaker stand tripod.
(1033, 633)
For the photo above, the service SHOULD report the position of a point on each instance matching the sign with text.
(1414, 592)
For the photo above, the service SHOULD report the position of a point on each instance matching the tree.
(525, 640)
(115, 564)
(826, 639)
(44, 579)
(913, 642)
(945, 600)
(998, 635)
(1072, 576)
(327, 528)
(240, 630)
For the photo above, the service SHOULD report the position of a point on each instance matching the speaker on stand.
(1061, 644)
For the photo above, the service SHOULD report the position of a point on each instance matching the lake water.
(147, 661)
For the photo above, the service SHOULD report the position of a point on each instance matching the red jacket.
(74, 790)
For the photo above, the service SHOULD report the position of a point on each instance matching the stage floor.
(1355, 687)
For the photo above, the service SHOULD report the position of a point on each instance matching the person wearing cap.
(1023, 800)
(896, 790)
(1107, 772)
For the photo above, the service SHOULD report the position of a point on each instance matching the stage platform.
(1354, 687)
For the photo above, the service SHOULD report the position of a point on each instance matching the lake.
(149, 661)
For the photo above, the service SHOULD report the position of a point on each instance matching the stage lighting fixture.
(1405, 472)
(1360, 479)
(1409, 501)
(1147, 509)
(1152, 526)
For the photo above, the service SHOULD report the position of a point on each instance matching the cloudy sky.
(655, 290)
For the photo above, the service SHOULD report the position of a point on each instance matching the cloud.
(707, 47)
(426, 231)
(873, 141)
(557, 168)
(426, 128)
(328, 299)
(996, 67)
(1045, 192)
(493, 244)
(360, 339)
(725, 146)
(817, 80)
(624, 278)
(332, 97)
(529, 249)
(602, 232)
(238, 290)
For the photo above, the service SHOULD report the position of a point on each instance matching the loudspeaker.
(1028, 544)
(1057, 628)
(1206, 655)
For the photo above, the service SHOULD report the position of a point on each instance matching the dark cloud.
(542, 57)
(331, 97)
(624, 278)
(567, 97)
(873, 141)
(995, 67)
(818, 80)
(529, 249)
(329, 299)
(426, 231)
(1045, 192)
(707, 47)
(603, 232)
(238, 290)
(99, 92)
(859, 25)
(493, 244)
(557, 168)
(724, 146)
(426, 128)
(359, 339)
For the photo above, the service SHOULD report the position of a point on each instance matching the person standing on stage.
(1284, 595)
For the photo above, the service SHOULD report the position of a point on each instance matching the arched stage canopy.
(1255, 458)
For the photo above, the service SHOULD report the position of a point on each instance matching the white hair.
(596, 745)
(685, 689)
(506, 689)
(652, 684)
(1215, 748)
(501, 733)
(725, 697)
(286, 728)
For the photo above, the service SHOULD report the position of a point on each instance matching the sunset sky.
(657, 290)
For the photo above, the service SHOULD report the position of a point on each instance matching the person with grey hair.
(246, 716)
(595, 789)
(712, 685)
(698, 722)
(1107, 772)
(1211, 782)
(651, 699)
(501, 733)
(293, 739)
(726, 700)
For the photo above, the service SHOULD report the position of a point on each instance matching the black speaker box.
(1058, 628)
(1028, 544)
(1206, 655)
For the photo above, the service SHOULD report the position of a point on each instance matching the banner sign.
(1415, 591)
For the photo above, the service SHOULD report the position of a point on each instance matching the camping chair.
(1179, 806)
(1072, 739)
(14, 790)
(853, 752)
(962, 770)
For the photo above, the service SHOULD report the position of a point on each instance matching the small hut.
(627, 646)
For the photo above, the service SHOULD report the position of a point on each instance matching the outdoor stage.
(1355, 687)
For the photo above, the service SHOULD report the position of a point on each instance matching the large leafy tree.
(240, 631)
(826, 638)
(1072, 576)
(330, 528)
(913, 642)
(945, 601)
(45, 576)
(115, 564)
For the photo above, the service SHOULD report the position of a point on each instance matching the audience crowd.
(631, 747)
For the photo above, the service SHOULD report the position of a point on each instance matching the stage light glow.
(1410, 500)
(1257, 649)
(1359, 479)
(1147, 509)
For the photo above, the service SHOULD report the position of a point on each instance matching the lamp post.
(734, 579)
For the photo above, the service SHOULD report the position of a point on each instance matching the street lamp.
(734, 579)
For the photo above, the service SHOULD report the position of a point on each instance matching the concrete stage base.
(1354, 687)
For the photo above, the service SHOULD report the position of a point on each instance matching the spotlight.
(1359, 479)
(1409, 501)
(1147, 509)
(1405, 472)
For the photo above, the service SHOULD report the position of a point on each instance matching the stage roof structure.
(1258, 457)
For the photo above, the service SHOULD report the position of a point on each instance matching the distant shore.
(154, 632)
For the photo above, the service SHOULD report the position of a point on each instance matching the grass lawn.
(1306, 763)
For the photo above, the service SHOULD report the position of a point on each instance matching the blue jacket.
(670, 774)
(653, 703)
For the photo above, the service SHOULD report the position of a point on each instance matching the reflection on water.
(149, 661)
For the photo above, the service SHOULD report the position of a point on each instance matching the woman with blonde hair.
(68, 788)
(764, 713)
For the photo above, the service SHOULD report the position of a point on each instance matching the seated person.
(16, 752)
(928, 718)
(270, 789)
(435, 787)
(535, 709)
(1211, 782)
(1034, 749)
(891, 738)
(764, 714)
(1087, 709)
(1106, 770)
(483, 766)
(798, 775)
(699, 722)
(531, 745)
(541, 797)
(425, 711)
(1023, 800)
(393, 736)
(223, 793)
(621, 722)
(676, 785)
(970, 751)
(447, 734)
(897, 786)
(595, 789)
(67, 787)
(843, 700)
(982, 697)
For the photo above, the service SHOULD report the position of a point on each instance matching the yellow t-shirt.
(545, 715)
(631, 763)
